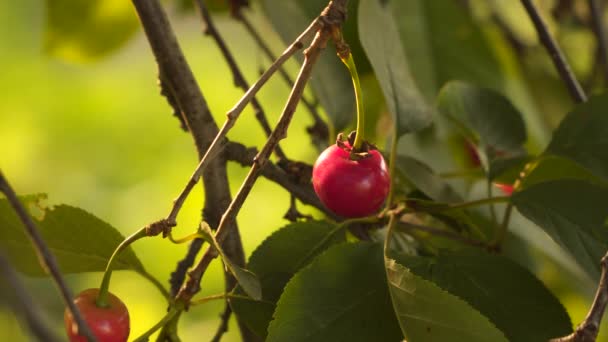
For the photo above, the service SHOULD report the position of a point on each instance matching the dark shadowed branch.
(23, 303)
(239, 79)
(46, 258)
(588, 330)
(329, 21)
(596, 11)
(558, 58)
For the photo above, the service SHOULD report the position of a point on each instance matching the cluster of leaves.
(443, 80)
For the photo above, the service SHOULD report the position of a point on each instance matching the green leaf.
(551, 167)
(426, 180)
(79, 241)
(81, 31)
(380, 39)
(276, 260)
(247, 280)
(428, 313)
(508, 295)
(583, 136)
(483, 115)
(573, 213)
(341, 296)
(330, 79)
(442, 43)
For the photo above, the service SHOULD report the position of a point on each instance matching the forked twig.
(332, 17)
(588, 330)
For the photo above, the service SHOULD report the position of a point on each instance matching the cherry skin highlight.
(351, 188)
(108, 324)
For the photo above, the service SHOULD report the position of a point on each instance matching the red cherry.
(507, 189)
(350, 188)
(108, 324)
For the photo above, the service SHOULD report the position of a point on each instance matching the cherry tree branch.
(319, 127)
(23, 303)
(184, 93)
(562, 66)
(239, 79)
(46, 258)
(596, 10)
(330, 19)
(588, 330)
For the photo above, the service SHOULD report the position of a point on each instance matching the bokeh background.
(95, 133)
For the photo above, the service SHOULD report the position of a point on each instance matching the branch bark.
(596, 10)
(239, 79)
(46, 258)
(330, 19)
(562, 66)
(177, 76)
(588, 330)
(23, 303)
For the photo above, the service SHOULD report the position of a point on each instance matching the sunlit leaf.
(508, 295)
(573, 213)
(276, 260)
(428, 313)
(341, 296)
(583, 136)
(246, 279)
(380, 39)
(79, 241)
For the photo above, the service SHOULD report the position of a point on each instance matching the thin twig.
(239, 79)
(333, 16)
(319, 126)
(231, 118)
(223, 327)
(303, 191)
(45, 257)
(588, 330)
(596, 11)
(179, 81)
(562, 66)
(23, 303)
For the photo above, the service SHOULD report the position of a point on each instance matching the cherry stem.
(502, 230)
(187, 238)
(391, 170)
(102, 298)
(352, 68)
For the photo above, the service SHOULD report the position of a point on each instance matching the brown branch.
(179, 81)
(23, 304)
(239, 79)
(45, 257)
(588, 330)
(294, 183)
(231, 118)
(564, 70)
(332, 16)
(319, 128)
(596, 10)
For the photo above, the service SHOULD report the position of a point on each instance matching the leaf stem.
(168, 317)
(156, 284)
(102, 299)
(419, 206)
(349, 61)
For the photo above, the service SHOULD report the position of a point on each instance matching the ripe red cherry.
(350, 188)
(109, 324)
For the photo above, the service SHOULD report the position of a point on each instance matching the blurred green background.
(95, 133)
(99, 136)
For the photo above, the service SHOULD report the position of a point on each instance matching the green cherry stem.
(352, 68)
(102, 299)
